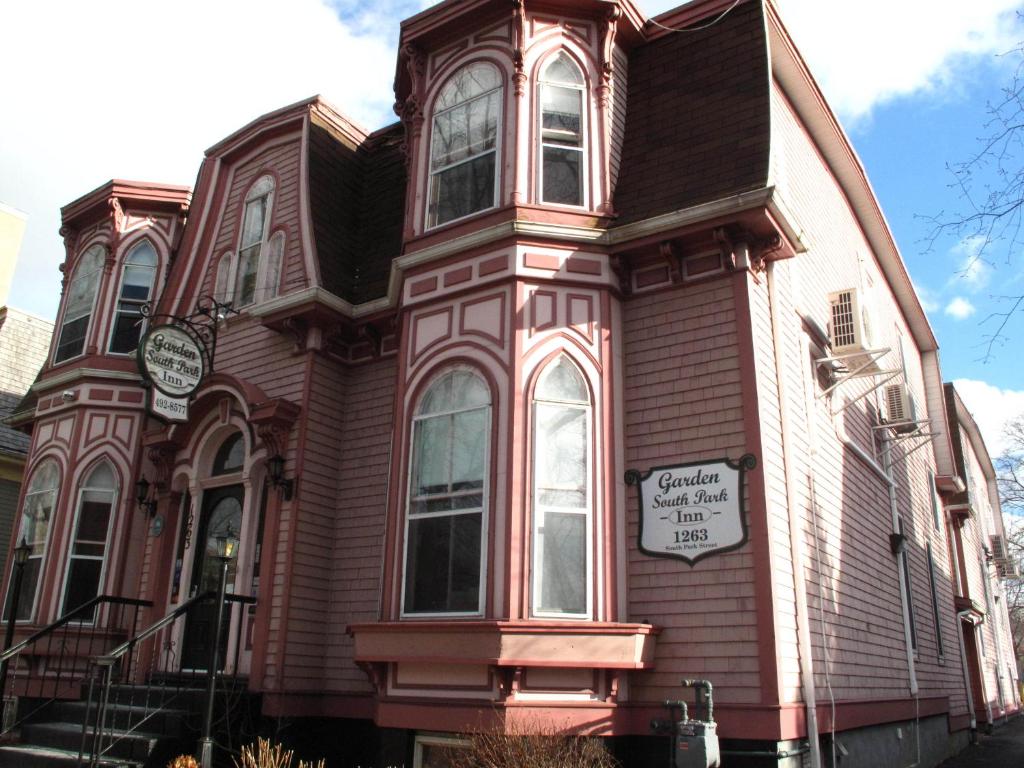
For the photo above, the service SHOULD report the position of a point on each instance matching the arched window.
(464, 144)
(79, 304)
(230, 456)
(136, 289)
(561, 132)
(88, 554)
(255, 222)
(34, 530)
(448, 496)
(561, 491)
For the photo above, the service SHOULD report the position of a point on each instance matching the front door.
(221, 515)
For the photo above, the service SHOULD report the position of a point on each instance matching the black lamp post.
(227, 545)
(21, 553)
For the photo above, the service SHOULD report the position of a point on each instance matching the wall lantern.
(275, 473)
(146, 504)
(21, 552)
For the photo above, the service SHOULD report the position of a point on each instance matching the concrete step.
(31, 756)
(119, 745)
(122, 716)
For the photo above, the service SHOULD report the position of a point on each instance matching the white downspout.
(796, 539)
(963, 663)
(904, 596)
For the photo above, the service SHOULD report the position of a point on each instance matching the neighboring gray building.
(24, 341)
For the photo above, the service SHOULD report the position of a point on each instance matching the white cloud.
(972, 270)
(872, 51)
(123, 89)
(959, 308)
(992, 408)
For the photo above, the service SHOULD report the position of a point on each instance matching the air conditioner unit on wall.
(850, 328)
(998, 547)
(900, 413)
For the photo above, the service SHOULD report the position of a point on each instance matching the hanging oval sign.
(172, 360)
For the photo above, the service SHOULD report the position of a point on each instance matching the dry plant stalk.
(183, 761)
(265, 756)
(543, 749)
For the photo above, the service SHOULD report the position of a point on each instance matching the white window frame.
(432, 740)
(102, 250)
(264, 187)
(536, 539)
(498, 135)
(71, 556)
(485, 498)
(49, 536)
(583, 149)
(120, 288)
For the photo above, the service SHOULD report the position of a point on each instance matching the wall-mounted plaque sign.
(172, 359)
(691, 511)
(167, 407)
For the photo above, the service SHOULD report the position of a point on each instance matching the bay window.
(464, 144)
(561, 132)
(562, 500)
(445, 520)
(79, 304)
(136, 290)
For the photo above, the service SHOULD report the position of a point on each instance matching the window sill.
(537, 643)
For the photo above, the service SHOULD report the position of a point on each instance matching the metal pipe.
(777, 754)
(960, 617)
(697, 686)
(19, 573)
(789, 458)
(206, 742)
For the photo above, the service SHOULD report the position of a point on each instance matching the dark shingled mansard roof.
(697, 117)
(357, 197)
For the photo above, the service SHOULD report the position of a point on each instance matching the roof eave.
(789, 68)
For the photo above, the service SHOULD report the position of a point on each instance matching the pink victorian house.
(598, 371)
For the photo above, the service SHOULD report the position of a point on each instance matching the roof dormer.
(512, 112)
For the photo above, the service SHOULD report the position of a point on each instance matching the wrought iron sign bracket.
(201, 324)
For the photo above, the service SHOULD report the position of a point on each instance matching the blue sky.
(125, 89)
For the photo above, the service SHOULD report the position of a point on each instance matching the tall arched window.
(255, 223)
(79, 304)
(34, 530)
(88, 553)
(561, 132)
(136, 289)
(464, 144)
(448, 496)
(561, 492)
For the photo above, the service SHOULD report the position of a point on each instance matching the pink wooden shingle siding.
(683, 402)
(365, 437)
(853, 580)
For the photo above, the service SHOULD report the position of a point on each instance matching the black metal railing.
(138, 685)
(53, 663)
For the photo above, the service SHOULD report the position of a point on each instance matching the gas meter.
(694, 741)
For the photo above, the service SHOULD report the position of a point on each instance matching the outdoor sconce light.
(146, 504)
(275, 470)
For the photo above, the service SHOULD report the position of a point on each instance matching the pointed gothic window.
(562, 505)
(137, 281)
(561, 132)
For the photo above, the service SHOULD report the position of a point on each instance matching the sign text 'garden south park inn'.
(691, 511)
(174, 362)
